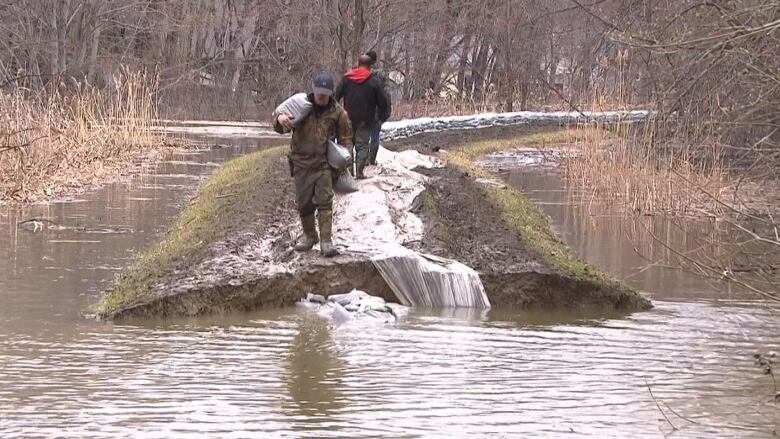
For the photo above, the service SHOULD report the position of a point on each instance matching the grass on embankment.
(531, 225)
(216, 210)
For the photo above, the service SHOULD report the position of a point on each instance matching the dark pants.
(361, 137)
(374, 143)
(313, 189)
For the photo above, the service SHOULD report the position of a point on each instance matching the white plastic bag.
(296, 106)
(338, 156)
(345, 183)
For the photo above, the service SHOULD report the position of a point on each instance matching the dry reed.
(60, 139)
(646, 171)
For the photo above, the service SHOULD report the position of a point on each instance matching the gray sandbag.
(338, 156)
(345, 183)
(296, 106)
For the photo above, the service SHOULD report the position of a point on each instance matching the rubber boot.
(326, 224)
(359, 174)
(309, 237)
(373, 151)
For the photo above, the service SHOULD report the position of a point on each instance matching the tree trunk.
(82, 36)
(359, 27)
(93, 55)
(552, 77)
(462, 63)
(478, 71)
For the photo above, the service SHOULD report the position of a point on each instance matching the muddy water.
(280, 373)
(628, 246)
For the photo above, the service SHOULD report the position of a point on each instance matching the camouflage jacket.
(384, 80)
(309, 144)
(381, 76)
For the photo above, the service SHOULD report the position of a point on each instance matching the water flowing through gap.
(428, 281)
(378, 221)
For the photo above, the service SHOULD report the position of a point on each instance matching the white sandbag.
(346, 298)
(340, 313)
(353, 306)
(296, 106)
(338, 156)
(345, 184)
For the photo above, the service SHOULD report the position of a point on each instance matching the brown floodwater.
(643, 250)
(437, 373)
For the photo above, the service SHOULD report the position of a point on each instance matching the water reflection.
(315, 370)
(631, 247)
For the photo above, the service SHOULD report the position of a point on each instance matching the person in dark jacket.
(308, 155)
(375, 132)
(366, 103)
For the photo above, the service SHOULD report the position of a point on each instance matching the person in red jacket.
(366, 103)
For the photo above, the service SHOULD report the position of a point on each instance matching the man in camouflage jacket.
(308, 155)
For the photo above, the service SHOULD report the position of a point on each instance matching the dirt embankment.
(498, 232)
(231, 250)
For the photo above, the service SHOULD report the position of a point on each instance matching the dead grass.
(438, 108)
(627, 167)
(54, 141)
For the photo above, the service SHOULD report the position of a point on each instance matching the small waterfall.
(429, 281)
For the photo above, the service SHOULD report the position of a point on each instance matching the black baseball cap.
(372, 54)
(323, 84)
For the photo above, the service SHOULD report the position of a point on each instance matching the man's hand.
(285, 121)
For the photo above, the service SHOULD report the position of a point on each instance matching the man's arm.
(282, 124)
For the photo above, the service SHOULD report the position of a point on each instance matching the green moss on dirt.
(219, 207)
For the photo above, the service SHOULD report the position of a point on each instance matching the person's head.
(372, 54)
(323, 88)
(364, 61)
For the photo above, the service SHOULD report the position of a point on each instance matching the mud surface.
(255, 265)
(462, 224)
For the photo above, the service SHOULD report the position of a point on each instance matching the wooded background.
(715, 60)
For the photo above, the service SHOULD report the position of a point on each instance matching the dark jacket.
(381, 76)
(309, 144)
(364, 98)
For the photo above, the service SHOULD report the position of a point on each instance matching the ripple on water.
(427, 376)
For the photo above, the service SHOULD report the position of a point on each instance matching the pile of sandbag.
(355, 305)
(408, 128)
